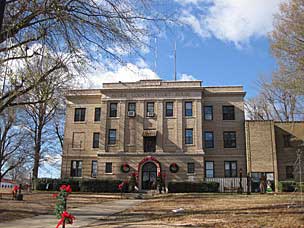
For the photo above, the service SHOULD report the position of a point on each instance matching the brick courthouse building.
(178, 128)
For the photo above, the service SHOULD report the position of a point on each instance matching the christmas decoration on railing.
(174, 168)
(161, 183)
(122, 186)
(61, 206)
(125, 168)
(133, 183)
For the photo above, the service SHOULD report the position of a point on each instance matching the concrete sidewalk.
(84, 215)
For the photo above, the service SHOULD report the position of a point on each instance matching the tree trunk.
(38, 142)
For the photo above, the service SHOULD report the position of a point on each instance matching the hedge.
(83, 185)
(184, 187)
(48, 184)
(290, 186)
(101, 186)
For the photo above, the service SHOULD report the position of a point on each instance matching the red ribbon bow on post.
(66, 188)
(65, 215)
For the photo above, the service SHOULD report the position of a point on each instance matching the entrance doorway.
(149, 174)
(150, 144)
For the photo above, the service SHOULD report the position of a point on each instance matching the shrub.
(83, 185)
(101, 186)
(290, 186)
(48, 184)
(184, 187)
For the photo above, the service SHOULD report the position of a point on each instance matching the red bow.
(16, 188)
(120, 186)
(65, 215)
(67, 188)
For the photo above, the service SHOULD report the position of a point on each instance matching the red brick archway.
(144, 161)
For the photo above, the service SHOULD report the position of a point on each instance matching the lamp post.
(241, 175)
(299, 155)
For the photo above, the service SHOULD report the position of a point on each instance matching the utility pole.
(300, 171)
(2, 7)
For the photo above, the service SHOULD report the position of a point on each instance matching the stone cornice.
(125, 154)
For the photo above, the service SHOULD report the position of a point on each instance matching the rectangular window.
(112, 136)
(113, 110)
(189, 136)
(209, 169)
(229, 139)
(286, 139)
(94, 168)
(188, 108)
(169, 109)
(209, 140)
(108, 167)
(190, 167)
(208, 113)
(97, 114)
(76, 168)
(132, 107)
(96, 140)
(79, 114)
(230, 169)
(228, 112)
(289, 172)
(150, 109)
(78, 140)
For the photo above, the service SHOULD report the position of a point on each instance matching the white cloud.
(127, 73)
(189, 19)
(230, 20)
(187, 77)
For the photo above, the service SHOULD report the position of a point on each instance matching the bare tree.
(41, 116)
(15, 148)
(287, 42)
(276, 101)
(86, 29)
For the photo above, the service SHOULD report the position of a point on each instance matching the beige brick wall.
(219, 154)
(287, 156)
(170, 130)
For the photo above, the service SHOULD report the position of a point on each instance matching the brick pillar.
(160, 126)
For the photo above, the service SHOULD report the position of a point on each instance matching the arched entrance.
(148, 176)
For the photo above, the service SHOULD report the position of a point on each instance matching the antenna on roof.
(155, 54)
(174, 60)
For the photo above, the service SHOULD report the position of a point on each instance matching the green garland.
(60, 204)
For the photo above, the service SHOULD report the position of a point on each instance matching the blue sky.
(221, 42)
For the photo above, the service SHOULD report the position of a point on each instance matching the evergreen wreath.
(174, 168)
(125, 168)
